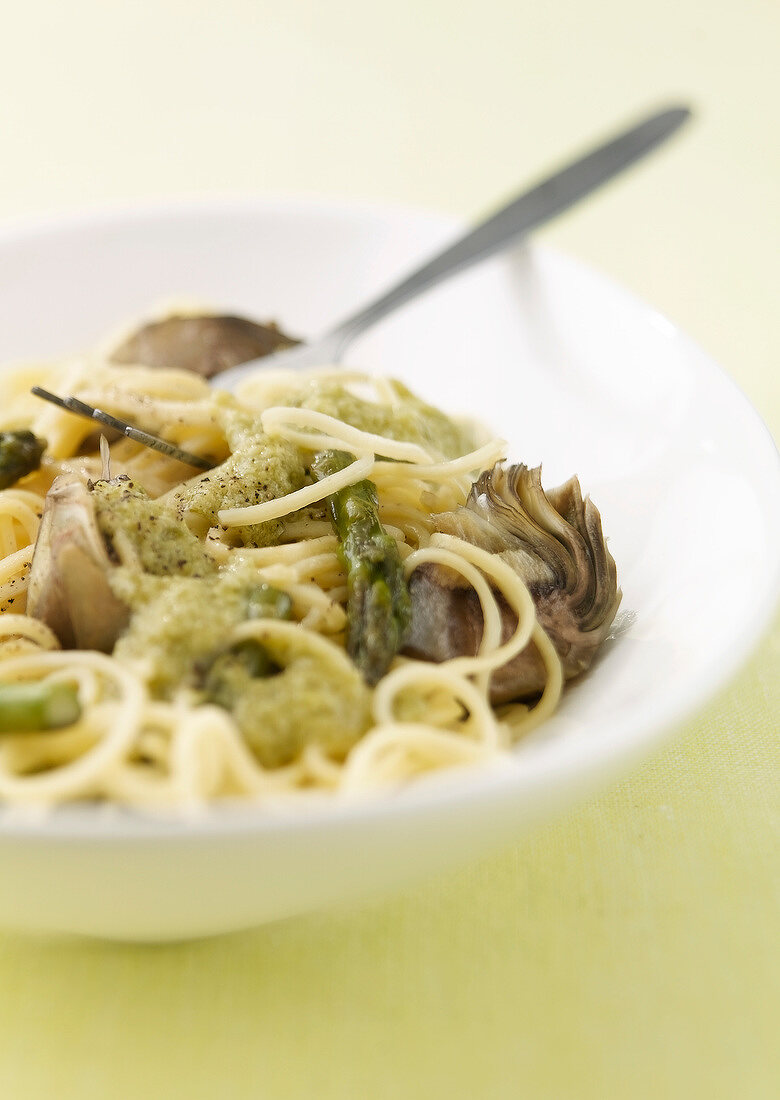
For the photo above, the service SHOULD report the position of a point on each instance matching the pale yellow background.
(630, 949)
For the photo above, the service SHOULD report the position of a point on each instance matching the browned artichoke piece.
(204, 344)
(554, 542)
(69, 586)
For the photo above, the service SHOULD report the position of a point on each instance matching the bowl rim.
(582, 770)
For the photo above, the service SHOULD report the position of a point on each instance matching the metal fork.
(512, 222)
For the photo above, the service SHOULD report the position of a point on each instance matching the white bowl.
(571, 369)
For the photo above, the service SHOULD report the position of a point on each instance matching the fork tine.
(81, 408)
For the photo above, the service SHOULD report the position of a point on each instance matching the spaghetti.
(171, 747)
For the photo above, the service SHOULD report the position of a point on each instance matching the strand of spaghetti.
(26, 496)
(320, 768)
(8, 540)
(83, 466)
(491, 618)
(553, 687)
(81, 775)
(512, 585)
(307, 595)
(236, 760)
(291, 632)
(83, 679)
(148, 784)
(138, 786)
(385, 391)
(22, 626)
(306, 529)
(149, 413)
(15, 507)
(98, 372)
(63, 432)
(47, 752)
(411, 522)
(196, 759)
(291, 551)
(285, 387)
(396, 533)
(17, 405)
(312, 605)
(327, 432)
(481, 459)
(320, 565)
(250, 775)
(267, 384)
(46, 749)
(434, 749)
(179, 777)
(463, 557)
(15, 564)
(219, 550)
(300, 498)
(16, 647)
(406, 492)
(417, 674)
(154, 738)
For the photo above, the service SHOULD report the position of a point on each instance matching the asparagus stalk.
(379, 610)
(20, 454)
(37, 706)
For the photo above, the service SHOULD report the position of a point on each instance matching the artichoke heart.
(203, 343)
(554, 542)
(69, 586)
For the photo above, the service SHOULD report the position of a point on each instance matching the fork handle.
(523, 214)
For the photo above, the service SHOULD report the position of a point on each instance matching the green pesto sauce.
(179, 622)
(305, 703)
(178, 628)
(411, 419)
(162, 544)
(262, 469)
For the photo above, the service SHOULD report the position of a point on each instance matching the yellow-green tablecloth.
(628, 950)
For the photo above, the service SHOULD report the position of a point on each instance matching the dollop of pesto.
(179, 624)
(260, 470)
(305, 702)
(178, 635)
(155, 537)
(409, 419)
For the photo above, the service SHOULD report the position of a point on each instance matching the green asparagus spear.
(37, 706)
(20, 454)
(379, 610)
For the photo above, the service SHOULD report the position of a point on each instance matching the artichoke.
(554, 542)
